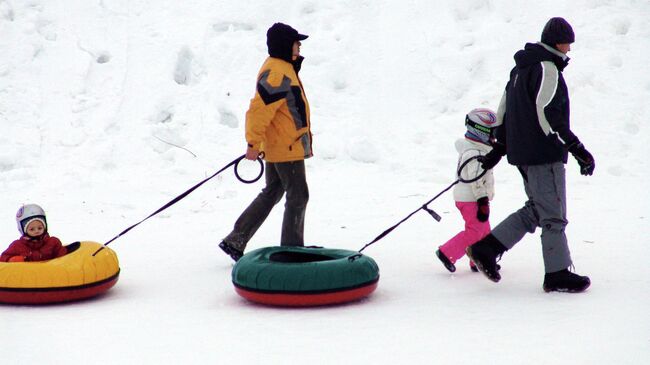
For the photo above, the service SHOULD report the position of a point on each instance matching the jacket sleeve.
(272, 89)
(11, 251)
(59, 250)
(552, 104)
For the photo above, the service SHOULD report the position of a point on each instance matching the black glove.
(585, 159)
(493, 157)
(483, 213)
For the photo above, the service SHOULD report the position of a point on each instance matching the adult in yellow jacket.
(277, 124)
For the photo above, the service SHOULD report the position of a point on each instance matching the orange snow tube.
(77, 275)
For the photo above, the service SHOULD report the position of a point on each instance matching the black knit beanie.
(557, 31)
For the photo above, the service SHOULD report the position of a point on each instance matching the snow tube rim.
(307, 292)
(57, 288)
(259, 261)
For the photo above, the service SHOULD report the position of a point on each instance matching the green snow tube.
(304, 276)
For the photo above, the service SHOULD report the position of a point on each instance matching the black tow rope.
(425, 207)
(234, 162)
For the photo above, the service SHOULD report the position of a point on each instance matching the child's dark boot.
(445, 261)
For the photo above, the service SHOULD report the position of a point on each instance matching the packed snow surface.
(111, 108)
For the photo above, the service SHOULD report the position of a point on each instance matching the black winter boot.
(565, 281)
(445, 261)
(484, 254)
(231, 251)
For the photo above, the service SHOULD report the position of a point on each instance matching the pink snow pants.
(454, 249)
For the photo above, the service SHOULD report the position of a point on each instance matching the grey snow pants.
(545, 186)
(280, 177)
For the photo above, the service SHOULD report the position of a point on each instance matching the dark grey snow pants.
(280, 177)
(545, 187)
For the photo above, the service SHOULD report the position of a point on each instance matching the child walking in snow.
(35, 244)
(472, 199)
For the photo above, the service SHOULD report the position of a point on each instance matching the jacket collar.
(560, 59)
(563, 56)
(534, 53)
(35, 242)
(297, 64)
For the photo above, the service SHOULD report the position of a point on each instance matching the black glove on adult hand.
(493, 157)
(483, 213)
(584, 158)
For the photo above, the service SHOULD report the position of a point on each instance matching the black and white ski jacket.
(534, 109)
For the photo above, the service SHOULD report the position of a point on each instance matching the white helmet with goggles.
(480, 124)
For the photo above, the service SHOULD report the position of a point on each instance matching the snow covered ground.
(110, 108)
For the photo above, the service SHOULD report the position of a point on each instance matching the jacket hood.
(280, 48)
(534, 53)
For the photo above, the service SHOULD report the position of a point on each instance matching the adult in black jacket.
(535, 135)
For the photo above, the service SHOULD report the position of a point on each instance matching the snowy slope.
(110, 108)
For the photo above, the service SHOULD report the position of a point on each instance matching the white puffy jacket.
(484, 186)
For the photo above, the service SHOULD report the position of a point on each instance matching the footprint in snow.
(183, 69)
(228, 118)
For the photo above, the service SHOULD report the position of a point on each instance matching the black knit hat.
(280, 38)
(557, 31)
